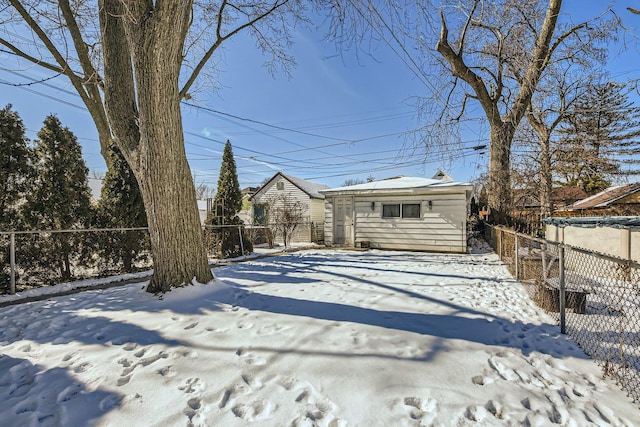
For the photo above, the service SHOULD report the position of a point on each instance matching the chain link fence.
(595, 298)
(32, 259)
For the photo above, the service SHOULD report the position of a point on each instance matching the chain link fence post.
(516, 256)
(12, 263)
(241, 242)
(562, 296)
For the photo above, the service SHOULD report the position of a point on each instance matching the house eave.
(400, 191)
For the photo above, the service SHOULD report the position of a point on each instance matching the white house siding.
(303, 232)
(441, 228)
(316, 213)
(328, 221)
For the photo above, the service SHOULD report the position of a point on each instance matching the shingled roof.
(606, 198)
(561, 196)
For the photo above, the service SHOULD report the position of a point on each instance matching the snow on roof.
(311, 188)
(595, 221)
(604, 198)
(398, 183)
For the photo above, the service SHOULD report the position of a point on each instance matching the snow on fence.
(593, 296)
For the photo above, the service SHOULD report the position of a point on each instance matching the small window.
(411, 210)
(390, 211)
(259, 214)
(280, 185)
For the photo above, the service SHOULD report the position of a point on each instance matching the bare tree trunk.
(143, 48)
(546, 178)
(546, 186)
(499, 194)
(174, 224)
(503, 126)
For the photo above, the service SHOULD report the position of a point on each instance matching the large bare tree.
(500, 51)
(132, 62)
(488, 59)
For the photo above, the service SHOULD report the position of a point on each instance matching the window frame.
(280, 185)
(385, 205)
(401, 210)
(419, 205)
(261, 214)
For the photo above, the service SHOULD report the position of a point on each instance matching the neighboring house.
(621, 200)
(404, 213)
(95, 185)
(283, 189)
(204, 206)
(526, 201)
(245, 213)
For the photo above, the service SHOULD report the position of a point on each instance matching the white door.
(343, 221)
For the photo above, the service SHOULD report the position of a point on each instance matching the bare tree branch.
(60, 59)
(460, 69)
(221, 38)
(32, 59)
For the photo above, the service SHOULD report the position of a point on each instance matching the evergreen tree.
(601, 134)
(121, 206)
(15, 176)
(61, 197)
(15, 167)
(226, 205)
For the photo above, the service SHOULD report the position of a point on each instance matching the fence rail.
(36, 258)
(595, 298)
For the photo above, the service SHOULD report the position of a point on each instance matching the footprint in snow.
(192, 385)
(193, 409)
(250, 358)
(22, 379)
(424, 410)
(255, 411)
(191, 326)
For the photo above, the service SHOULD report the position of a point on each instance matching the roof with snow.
(312, 189)
(606, 198)
(595, 221)
(399, 183)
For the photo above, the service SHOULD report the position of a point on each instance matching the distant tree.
(121, 206)
(226, 205)
(203, 191)
(353, 181)
(564, 83)
(15, 166)
(60, 199)
(600, 136)
(97, 174)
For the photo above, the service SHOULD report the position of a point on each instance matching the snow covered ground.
(318, 337)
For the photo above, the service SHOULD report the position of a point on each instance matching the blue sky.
(345, 115)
